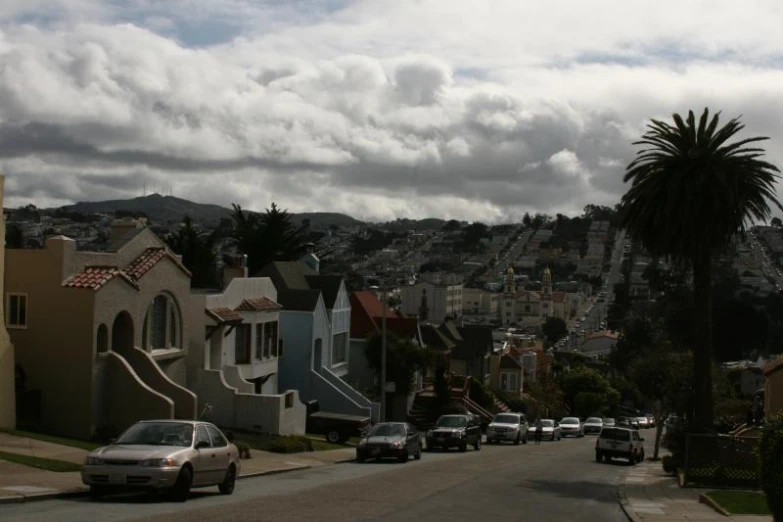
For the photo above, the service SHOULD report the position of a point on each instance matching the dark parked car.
(337, 427)
(455, 431)
(397, 440)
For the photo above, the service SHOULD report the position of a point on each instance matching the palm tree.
(691, 192)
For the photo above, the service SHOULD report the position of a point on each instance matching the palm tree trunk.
(702, 357)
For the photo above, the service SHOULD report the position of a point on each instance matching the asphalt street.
(553, 481)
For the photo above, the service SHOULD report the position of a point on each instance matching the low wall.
(213, 390)
(331, 399)
(233, 378)
(185, 402)
(128, 399)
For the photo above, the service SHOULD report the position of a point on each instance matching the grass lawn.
(36, 462)
(741, 502)
(74, 443)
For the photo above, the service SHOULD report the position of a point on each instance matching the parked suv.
(624, 443)
(511, 427)
(455, 431)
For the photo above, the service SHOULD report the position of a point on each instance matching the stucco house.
(7, 379)
(315, 322)
(531, 308)
(506, 374)
(101, 337)
(599, 344)
(773, 388)
(234, 358)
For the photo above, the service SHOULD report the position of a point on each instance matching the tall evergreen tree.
(197, 248)
(268, 237)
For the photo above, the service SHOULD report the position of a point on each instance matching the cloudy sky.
(377, 108)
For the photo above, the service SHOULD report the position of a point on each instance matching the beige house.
(477, 301)
(100, 337)
(773, 388)
(234, 356)
(434, 301)
(7, 380)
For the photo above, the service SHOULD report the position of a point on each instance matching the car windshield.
(608, 421)
(547, 423)
(387, 430)
(593, 420)
(158, 434)
(570, 420)
(505, 418)
(615, 434)
(452, 422)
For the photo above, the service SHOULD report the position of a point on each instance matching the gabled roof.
(223, 315)
(534, 296)
(608, 334)
(148, 259)
(289, 275)
(434, 339)
(366, 314)
(476, 342)
(449, 329)
(299, 300)
(257, 304)
(329, 285)
(509, 363)
(773, 367)
(96, 277)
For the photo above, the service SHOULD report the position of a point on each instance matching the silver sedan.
(164, 455)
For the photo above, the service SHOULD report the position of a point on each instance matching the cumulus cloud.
(372, 108)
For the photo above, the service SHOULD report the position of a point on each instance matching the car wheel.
(97, 492)
(517, 440)
(404, 457)
(598, 456)
(489, 441)
(181, 490)
(607, 458)
(477, 445)
(463, 447)
(333, 436)
(359, 458)
(229, 482)
(524, 439)
(632, 460)
(641, 457)
(417, 455)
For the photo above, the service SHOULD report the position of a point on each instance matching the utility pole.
(383, 355)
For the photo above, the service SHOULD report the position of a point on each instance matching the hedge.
(770, 468)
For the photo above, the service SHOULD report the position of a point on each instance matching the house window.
(242, 340)
(289, 400)
(161, 329)
(338, 348)
(270, 339)
(159, 309)
(17, 311)
(508, 382)
(260, 341)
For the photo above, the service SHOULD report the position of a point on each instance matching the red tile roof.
(366, 314)
(772, 367)
(224, 315)
(258, 304)
(95, 277)
(148, 259)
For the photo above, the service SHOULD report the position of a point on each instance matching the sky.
(379, 109)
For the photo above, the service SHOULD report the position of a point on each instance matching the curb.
(705, 499)
(625, 504)
(22, 499)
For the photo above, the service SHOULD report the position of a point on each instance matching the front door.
(203, 464)
(222, 454)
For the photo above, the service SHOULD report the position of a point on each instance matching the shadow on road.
(579, 489)
(142, 497)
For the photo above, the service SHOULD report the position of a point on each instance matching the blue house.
(315, 322)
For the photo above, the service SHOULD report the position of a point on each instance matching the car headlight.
(398, 445)
(92, 461)
(460, 434)
(157, 463)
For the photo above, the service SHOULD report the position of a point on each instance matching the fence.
(720, 460)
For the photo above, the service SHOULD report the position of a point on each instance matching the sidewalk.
(648, 494)
(20, 483)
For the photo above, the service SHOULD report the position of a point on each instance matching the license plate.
(117, 478)
(441, 439)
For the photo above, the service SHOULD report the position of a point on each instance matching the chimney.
(234, 267)
(121, 227)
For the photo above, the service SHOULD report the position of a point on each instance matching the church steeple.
(546, 285)
(510, 286)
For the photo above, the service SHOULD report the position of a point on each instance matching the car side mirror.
(202, 444)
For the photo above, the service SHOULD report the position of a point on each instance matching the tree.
(586, 389)
(451, 226)
(691, 192)
(14, 236)
(663, 376)
(403, 359)
(527, 220)
(554, 329)
(776, 222)
(197, 248)
(268, 237)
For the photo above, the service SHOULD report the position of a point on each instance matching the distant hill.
(169, 209)
(403, 224)
(160, 209)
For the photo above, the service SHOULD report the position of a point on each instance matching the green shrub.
(770, 469)
(482, 396)
(291, 444)
(669, 465)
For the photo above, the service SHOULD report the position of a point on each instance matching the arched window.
(102, 343)
(162, 328)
